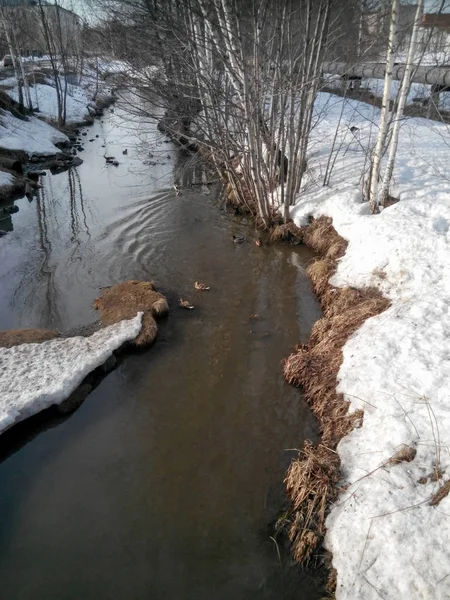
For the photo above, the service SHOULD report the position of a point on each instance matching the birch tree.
(9, 21)
(403, 94)
(380, 147)
(245, 74)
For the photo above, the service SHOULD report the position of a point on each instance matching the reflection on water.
(163, 484)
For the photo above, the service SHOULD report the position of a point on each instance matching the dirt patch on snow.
(313, 477)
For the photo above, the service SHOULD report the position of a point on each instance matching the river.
(163, 484)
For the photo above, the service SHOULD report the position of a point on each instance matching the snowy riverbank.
(386, 538)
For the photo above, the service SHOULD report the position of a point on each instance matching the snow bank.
(35, 376)
(33, 136)
(387, 540)
(45, 100)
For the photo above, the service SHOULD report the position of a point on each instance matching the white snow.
(6, 178)
(387, 540)
(33, 135)
(35, 376)
(44, 99)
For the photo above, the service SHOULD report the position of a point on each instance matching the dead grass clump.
(320, 272)
(442, 492)
(405, 454)
(125, 300)
(287, 232)
(311, 484)
(365, 303)
(15, 337)
(322, 237)
(312, 477)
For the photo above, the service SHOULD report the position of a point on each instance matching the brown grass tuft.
(320, 272)
(312, 477)
(15, 337)
(405, 454)
(125, 300)
(322, 237)
(311, 484)
(442, 492)
(288, 232)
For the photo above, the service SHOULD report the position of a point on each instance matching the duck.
(186, 304)
(238, 239)
(177, 189)
(258, 242)
(125, 151)
(202, 287)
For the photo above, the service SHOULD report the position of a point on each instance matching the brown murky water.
(164, 483)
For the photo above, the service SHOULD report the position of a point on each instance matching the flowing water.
(165, 481)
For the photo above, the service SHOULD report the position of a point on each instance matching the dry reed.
(442, 492)
(125, 300)
(312, 477)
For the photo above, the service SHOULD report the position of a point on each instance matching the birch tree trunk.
(404, 90)
(380, 146)
(13, 55)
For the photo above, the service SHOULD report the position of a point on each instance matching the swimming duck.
(125, 151)
(186, 304)
(238, 239)
(202, 287)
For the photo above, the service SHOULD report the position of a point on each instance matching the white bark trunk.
(385, 105)
(406, 84)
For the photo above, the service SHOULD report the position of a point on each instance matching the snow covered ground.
(35, 376)
(45, 101)
(32, 136)
(387, 540)
(418, 91)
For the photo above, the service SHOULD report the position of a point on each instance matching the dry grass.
(320, 272)
(405, 454)
(125, 300)
(287, 232)
(322, 237)
(312, 477)
(311, 483)
(442, 492)
(15, 337)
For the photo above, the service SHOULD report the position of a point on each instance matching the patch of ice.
(35, 376)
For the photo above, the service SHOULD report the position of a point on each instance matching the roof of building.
(441, 21)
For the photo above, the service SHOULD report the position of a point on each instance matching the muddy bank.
(312, 478)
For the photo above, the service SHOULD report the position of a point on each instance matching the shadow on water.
(163, 484)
